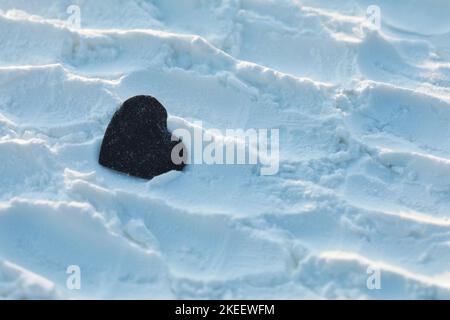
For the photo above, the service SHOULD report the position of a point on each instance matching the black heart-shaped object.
(137, 141)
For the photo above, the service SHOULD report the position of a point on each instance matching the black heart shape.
(137, 141)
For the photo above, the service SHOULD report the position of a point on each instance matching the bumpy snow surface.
(364, 120)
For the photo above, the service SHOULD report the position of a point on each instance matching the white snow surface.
(364, 180)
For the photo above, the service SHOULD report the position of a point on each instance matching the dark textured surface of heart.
(137, 141)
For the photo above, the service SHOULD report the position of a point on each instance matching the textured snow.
(364, 119)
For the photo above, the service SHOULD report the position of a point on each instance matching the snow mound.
(18, 283)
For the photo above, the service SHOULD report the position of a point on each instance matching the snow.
(363, 182)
